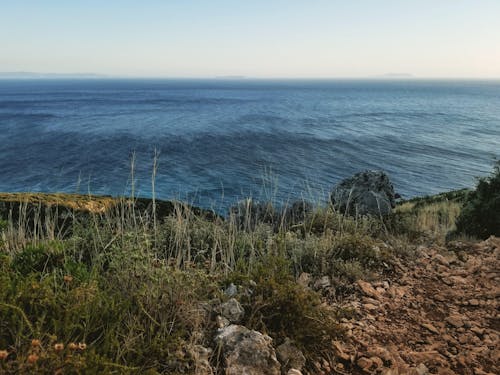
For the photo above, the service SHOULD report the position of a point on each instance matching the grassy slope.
(140, 296)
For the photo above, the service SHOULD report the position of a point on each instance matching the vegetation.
(124, 291)
(480, 216)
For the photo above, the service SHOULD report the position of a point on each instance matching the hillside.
(109, 285)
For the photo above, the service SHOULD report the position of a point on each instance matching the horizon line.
(100, 76)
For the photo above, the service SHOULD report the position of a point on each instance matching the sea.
(213, 142)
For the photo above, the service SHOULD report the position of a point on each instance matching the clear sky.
(255, 38)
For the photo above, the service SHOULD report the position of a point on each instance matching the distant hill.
(34, 75)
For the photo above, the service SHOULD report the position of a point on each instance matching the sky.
(252, 38)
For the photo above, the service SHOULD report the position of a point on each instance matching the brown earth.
(438, 314)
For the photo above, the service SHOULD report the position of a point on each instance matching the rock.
(368, 290)
(340, 351)
(474, 302)
(431, 328)
(247, 352)
(422, 369)
(221, 321)
(201, 360)
(322, 283)
(377, 362)
(304, 279)
(370, 307)
(231, 290)
(455, 321)
(232, 310)
(365, 193)
(290, 356)
(365, 364)
(293, 371)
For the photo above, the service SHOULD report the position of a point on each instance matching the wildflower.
(3, 354)
(68, 278)
(58, 347)
(82, 346)
(72, 346)
(32, 358)
(35, 343)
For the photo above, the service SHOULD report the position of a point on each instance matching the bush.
(480, 216)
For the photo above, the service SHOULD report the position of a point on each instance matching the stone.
(322, 283)
(304, 279)
(340, 351)
(247, 352)
(294, 371)
(290, 356)
(231, 290)
(377, 362)
(422, 369)
(368, 290)
(364, 363)
(365, 193)
(232, 311)
(474, 302)
(221, 321)
(431, 328)
(455, 321)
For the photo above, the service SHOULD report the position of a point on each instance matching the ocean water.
(221, 140)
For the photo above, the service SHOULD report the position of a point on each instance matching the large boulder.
(365, 193)
(247, 352)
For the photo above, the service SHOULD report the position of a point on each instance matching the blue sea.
(220, 140)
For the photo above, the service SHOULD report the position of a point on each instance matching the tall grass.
(139, 290)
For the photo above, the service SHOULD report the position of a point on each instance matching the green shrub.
(480, 217)
(281, 307)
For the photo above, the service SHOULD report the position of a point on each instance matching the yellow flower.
(32, 358)
(72, 346)
(58, 347)
(82, 346)
(3, 354)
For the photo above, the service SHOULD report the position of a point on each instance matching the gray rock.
(290, 356)
(232, 310)
(231, 290)
(365, 193)
(247, 352)
(322, 283)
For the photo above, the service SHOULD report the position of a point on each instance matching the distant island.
(35, 75)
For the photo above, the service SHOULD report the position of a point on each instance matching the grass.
(128, 290)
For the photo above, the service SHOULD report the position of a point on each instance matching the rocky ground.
(438, 314)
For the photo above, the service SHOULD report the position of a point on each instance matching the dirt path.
(437, 315)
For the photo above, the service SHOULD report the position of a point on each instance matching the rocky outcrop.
(247, 352)
(365, 193)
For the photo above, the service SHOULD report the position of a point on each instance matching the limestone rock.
(232, 311)
(365, 193)
(247, 352)
(290, 356)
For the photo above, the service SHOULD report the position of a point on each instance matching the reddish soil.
(438, 314)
